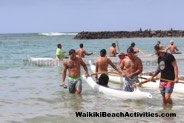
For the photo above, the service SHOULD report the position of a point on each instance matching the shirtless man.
(81, 52)
(103, 62)
(172, 48)
(72, 64)
(134, 67)
(112, 50)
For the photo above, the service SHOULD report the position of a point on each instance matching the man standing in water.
(72, 64)
(112, 50)
(134, 67)
(169, 70)
(103, 62)
(172, 48)
(59, 53)
(81, 52)
(136, 50)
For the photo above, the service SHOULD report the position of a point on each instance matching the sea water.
(31, 94)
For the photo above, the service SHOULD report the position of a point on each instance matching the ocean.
(31, 94)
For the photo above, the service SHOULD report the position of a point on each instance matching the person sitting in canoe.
(134, 67)
(172, 48)
(59, 53)
(103, 80)
(103, 62)
(72, 64)
(112, 50)
(81, 52)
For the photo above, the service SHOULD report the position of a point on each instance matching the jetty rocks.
(129, 34)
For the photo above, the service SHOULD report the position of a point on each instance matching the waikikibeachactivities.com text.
(124, 114)
(51, 62)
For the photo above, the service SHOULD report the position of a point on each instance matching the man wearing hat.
(169, 71)
(172, 48)
(134, 67)
(121, 57)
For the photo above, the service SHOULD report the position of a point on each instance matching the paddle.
(171, 81)
(145, 54)
(145, 81)
(96, 54)
(142, 82)
(181, 78)
(111, 73)
(145, 78)
(117, 46)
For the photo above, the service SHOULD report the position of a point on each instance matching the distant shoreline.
(131, 34)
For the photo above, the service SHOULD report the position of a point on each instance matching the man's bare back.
(112, 52)
(81, 53)
(102, 64)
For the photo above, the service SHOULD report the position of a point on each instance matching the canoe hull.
(136, 95)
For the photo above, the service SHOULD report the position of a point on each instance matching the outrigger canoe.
(178, 87)
(135, 95)
(46, 61)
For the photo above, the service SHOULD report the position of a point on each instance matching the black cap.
(130, 50)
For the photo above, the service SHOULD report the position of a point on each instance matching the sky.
(36, 16)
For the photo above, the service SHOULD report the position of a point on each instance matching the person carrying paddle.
(112, 50)
(160, 46)
(134, 67)
(81, 52)
(172, 48)
(72, 64)
(136, 50)
(103, 62)
(169, 71)
(59, 53)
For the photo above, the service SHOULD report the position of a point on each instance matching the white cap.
(171, 41)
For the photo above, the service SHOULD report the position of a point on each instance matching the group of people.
(130, 67)
(60, 55)
(171, 48)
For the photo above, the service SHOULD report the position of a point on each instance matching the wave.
(56, 34)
